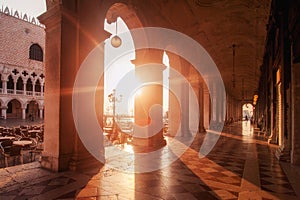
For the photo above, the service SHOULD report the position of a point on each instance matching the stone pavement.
(240, 166)
(18, 122)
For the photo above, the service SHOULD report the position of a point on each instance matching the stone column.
(174, 94)
(272, 137)
(295, 154)
(73, 30)
(206, 108)
(174, 106)
(185, 98)
(283, 153)
(3, 111)
(179, 98)
(4, 86)
(150, 95)
(24, 88)
(201, 108)
(214, 105)
(217, 95)
(41, 112)
(23, 112)
(185, 119)
(230, 107)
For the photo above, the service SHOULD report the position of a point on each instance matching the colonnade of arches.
(83, 37)
(15, 108)
(25, 83)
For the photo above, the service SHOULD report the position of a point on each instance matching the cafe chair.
(12, 151)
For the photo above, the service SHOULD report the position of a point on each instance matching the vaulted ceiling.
(221, 27)
(242, 24)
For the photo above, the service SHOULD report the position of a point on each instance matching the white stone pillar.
(174, 114)
(143, 103)
(41, 113)
(4, 86)
(24, 88)
(23, 113)
(3, 112)
(185, 130)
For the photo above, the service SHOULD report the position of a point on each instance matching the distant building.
(22, 40)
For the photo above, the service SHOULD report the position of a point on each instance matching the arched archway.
(247, 111)
(115, 108)
(119, 19)
(14, 109)
(150, 94)
(82, 32)
(32, 110)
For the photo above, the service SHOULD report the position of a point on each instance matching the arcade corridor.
(224, 57)
(241, 166)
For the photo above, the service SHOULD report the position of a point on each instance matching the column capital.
(144, 56)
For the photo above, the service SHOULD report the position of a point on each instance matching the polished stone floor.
(240, 166)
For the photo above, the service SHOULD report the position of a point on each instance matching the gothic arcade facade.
(22, 75)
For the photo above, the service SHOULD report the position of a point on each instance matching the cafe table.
(7, 138)
(22, 142)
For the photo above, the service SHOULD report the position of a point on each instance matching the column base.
(50, 162)
(272, 139)
(66, 162)
(84, 163)
(141, 145)
(215, 125)
(283, 154)
(201, 130)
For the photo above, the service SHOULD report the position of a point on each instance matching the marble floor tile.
(238, 167)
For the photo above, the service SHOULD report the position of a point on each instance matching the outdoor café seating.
(22, 144)
(8, 150)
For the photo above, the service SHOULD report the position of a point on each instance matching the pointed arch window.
(38, 86)
(10, 83)
(36, 52)
(20, 84)
(29, 86)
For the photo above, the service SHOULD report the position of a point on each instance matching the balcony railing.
(38, 93)
(10, 91)
(21, 92)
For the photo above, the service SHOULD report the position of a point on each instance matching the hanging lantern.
(116, 40)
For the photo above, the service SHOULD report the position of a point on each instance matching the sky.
(32, 8)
